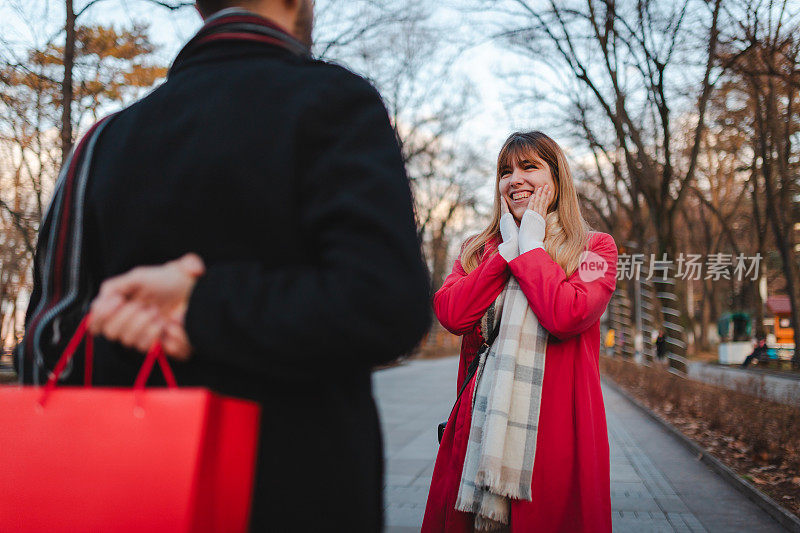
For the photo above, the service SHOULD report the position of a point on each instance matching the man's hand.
(148, 304)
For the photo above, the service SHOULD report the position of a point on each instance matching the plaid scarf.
(63, 289)
(505, 415)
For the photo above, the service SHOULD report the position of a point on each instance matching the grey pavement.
(754, 381)
(656, 484)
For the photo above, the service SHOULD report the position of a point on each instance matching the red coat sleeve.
(464, 298)
(566, 306)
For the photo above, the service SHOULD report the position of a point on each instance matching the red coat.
(571, 484)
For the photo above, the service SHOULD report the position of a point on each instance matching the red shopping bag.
(115, 459)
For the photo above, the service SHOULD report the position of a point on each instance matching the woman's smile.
(520, 196)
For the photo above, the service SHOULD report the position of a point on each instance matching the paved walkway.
(784, 389)
(656, 484)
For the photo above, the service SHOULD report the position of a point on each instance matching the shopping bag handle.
(69, 352)
(156, 353)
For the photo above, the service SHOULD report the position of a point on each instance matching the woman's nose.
(516, 178)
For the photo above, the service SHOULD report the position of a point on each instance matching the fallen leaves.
(759, 440)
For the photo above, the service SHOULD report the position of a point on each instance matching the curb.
(773, 508)
(755, 371)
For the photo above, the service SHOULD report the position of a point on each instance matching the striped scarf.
(505, 414)
(63, 289)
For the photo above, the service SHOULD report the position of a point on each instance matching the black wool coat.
(283, 173)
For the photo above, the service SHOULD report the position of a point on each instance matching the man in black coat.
(253, 212)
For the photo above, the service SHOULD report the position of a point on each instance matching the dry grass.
(705, 356)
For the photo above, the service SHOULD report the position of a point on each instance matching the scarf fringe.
(492, 482)
(493, 512)
(488, 515)
(487, 524)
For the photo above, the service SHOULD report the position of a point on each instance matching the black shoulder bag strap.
(473, 367)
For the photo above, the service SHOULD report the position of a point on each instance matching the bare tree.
(764, 57)
(728, 202)
(343, 26)
(627, 66)
(109, 67)
(409, 58)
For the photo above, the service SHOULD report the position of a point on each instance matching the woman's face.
(517, 184)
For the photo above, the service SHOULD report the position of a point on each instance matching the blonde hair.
(566, 231)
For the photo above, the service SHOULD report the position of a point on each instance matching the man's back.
(283, 174)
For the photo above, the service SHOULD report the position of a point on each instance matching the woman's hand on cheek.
(540, 199)
(532, 227)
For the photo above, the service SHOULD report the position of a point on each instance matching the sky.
(31, 23)
(28, 21)
(24, 23)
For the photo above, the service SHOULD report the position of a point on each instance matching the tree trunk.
(67, 94)
(761, 246)
(705, 311)
(438, 257)
(775, 214)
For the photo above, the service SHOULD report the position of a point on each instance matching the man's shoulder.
(299, 76)
(335, 71)
(300, 82)
(335, 78)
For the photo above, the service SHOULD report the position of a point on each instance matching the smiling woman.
(524, 448)
(528, 161)
(520, 177)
